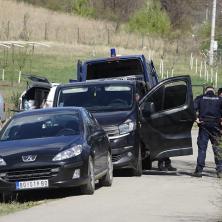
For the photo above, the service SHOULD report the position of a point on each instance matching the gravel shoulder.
(156, 196)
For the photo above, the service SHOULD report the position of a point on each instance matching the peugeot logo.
(29, 158)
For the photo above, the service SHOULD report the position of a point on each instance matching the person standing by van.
(209, 113)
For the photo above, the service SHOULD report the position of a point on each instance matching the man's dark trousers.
(208, 132)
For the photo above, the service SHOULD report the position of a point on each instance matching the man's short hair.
(219, 91)
(209, 88)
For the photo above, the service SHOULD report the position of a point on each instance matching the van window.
(114, 68)
(169, 96)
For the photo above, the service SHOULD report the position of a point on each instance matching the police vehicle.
(154, 127)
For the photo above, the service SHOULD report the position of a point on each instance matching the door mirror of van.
(148, 109)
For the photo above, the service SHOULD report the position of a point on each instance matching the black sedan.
(53, 148)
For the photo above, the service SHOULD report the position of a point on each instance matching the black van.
(141, 124)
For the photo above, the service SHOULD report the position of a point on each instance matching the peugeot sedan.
(53, 148)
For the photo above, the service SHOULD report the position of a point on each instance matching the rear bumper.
(63, 178)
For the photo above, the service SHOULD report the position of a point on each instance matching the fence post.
(20, 73)
(211, 75)
(78, 35)
(161, 68)
(108, 37)
(46, 31)
(191, 61)
(201, 67)
(216, 76)
(3, 74)
(142, 41)
(196, 65)
(8, 31)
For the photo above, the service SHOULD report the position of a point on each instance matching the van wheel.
(89, 188)
(147, 163)
(108, 178)
(138, 170)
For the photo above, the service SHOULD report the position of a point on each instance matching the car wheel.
(147, 163)
(138, 170)
(89, 188)
(7, 197)
(108, 178)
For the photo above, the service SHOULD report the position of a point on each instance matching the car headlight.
(2, 162)
(69, 153)
(127, 127)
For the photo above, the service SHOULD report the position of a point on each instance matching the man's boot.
(170, 167)
(161, 166)
(219, 174)
(197, 173)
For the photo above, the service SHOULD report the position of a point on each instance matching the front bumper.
(58, 176)
(124, 153)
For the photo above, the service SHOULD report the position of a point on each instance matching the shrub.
(151, 19)
(81, 7)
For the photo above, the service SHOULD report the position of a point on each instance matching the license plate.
(23, 185)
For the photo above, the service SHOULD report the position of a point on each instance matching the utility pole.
(211, 53)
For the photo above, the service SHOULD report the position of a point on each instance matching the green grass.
(60, 66)
(15, 206)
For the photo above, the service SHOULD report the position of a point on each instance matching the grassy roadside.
(15, 206)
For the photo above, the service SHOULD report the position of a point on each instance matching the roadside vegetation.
(15, 206)
(150, 20)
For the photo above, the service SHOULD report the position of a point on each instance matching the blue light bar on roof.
(113, 52)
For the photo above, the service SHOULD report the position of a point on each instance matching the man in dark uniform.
(209, 109)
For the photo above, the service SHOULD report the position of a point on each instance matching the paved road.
(153, 197)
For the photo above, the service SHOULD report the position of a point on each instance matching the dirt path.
(155, 196)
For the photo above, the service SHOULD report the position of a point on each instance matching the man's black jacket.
(208, 106)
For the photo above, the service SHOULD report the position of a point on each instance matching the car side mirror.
(148, 109)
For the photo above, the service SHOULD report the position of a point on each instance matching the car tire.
(7, 197)
(108, 178)
(89, 188)
(147, 163)
(139, 169)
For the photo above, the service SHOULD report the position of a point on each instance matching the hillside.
(22, 21)
(182, 13)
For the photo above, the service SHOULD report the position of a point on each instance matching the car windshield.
(42, 125)
(101, 97)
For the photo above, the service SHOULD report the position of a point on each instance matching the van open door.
(167, 116)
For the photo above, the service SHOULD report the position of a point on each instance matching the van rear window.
(114, 69)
